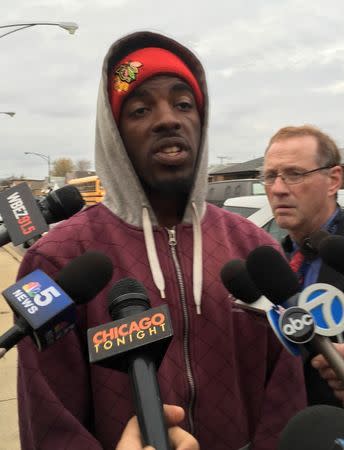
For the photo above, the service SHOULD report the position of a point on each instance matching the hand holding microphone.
(320, 363)
(180, 439)
(135, 342)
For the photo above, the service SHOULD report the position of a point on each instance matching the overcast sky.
(269, 63)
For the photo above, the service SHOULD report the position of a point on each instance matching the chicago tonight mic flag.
(151, 329)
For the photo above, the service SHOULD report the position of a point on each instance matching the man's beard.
(170, 188)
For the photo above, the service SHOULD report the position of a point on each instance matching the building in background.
(38, 187)
(248, 169)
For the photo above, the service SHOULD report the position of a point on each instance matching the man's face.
(304, 207)
(161, 130)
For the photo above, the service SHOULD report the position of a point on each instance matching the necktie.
(296, 262)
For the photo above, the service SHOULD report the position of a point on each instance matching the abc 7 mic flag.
(292, 326)
(326, 304)
(320, 311)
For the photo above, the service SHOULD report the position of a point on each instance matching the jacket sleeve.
(54, 394)
(284, 396)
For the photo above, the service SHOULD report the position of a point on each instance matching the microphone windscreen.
(315, 239)
(125, 293)
(331, 250)
(85, 276)
(314, 428)
(238, 282)
(271, 274)
(64, 203)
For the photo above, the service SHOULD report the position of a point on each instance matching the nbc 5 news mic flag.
(48, 310)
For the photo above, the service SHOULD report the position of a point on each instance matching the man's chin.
(285, 223)
(172, 186)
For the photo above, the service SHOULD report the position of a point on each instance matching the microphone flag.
(110, 343)
(326, 304)
(21, 214)
(48, 310)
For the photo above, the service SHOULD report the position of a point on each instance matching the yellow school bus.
(90, 188)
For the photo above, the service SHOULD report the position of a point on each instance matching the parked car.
(219, 191)
(257, 209)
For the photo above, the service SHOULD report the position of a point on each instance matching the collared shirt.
(310, 269)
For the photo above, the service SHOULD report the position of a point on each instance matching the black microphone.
(135, 343)
(275, 279)
(272, 275)
(43, 310)
(61, 204)
(237, 281)
(318, 427)
(56, 206)
(310, 245)
(331, 251)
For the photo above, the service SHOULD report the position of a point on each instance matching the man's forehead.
(170, 82)
(307, 142)
(293, 152)
(305, 145)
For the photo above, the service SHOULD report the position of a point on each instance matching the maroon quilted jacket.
(224, 366)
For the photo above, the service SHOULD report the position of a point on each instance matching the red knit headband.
(145, 63)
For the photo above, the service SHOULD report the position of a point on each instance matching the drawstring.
(197, 256)
(152, 253)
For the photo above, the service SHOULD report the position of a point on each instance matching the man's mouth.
(281, 208)
(171, 150)
(171, 156)
(170, 144)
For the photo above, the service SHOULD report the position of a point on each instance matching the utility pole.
(222, 158)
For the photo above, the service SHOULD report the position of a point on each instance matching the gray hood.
(125, 196)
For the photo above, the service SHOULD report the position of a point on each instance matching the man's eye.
(293, 173)
(184, 105)
(139, 111)
(270, 176)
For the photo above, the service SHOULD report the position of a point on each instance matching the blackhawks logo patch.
(126, 74)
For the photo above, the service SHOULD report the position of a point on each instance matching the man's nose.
(167, 118)
(279, 186)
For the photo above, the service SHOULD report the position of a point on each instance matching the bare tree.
(61, 166)
(83, 165)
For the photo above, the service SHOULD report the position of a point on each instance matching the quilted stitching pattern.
(246, 387)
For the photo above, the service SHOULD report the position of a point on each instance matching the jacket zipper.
(172, 242)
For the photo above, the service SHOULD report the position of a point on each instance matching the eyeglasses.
(289, 176)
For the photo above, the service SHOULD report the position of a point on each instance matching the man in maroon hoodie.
(224, 365)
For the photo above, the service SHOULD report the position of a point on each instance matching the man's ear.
(336, 179)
